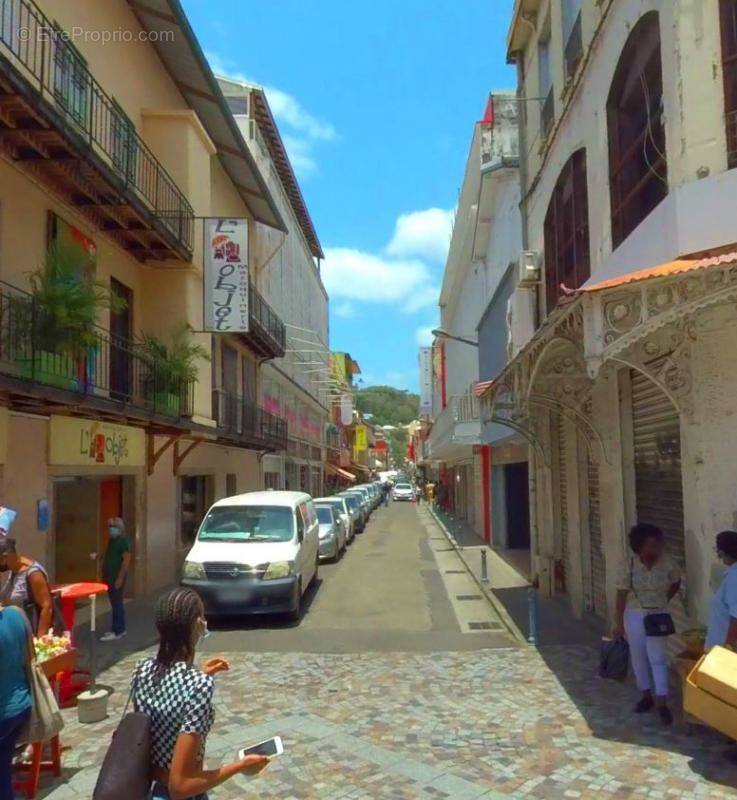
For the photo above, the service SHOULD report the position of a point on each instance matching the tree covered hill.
(387, 405)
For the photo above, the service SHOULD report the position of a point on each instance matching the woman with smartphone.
(178, 699)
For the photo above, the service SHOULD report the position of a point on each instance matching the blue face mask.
(113, 530)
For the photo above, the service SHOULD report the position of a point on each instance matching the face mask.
(113, 530)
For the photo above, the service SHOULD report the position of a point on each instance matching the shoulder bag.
(45, 720)
(125, 773)
(658, 624)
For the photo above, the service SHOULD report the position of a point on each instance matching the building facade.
(115, 400)
(624, 388)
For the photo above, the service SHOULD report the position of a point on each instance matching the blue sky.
(376, 103)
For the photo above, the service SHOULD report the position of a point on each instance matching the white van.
(255, 553)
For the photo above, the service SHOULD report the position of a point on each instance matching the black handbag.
(659, 624)
(125, 773)
(614, 659)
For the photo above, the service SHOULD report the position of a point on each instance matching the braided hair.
(176, 615)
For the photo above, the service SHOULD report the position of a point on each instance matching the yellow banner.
(89, 442)
(360, 442)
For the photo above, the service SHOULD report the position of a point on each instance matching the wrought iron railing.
(45, 56)
(574, 48)
(240, 417)
(266, 321)
(547, 115)
(34, 347)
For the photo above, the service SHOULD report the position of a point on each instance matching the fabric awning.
(340, 473)
(360, 467)
(480, 388)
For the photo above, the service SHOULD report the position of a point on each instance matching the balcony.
(241, 421)
(106, 375)
(267, 335)
(456, 430)
(58, 123)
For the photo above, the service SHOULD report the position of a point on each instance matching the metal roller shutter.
(598, 566)
(563, 494)
(658, 479)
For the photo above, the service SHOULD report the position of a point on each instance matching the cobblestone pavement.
(493, 723)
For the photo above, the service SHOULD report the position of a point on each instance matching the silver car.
(341, 505)
(332, 531)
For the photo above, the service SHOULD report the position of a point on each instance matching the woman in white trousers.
(646, 583)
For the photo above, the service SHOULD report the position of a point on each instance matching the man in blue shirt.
(722, 629)
(15, 695)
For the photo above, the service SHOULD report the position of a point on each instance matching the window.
(231, 484)
(71, 79)
(728, 17)
(325, 515)
(567, 231)
(545, 81)
(638, 170)
(248, 524)
(123, 142)
(572, 35)
(238, 105)
(194, 500)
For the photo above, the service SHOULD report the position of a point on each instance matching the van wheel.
(296, 614)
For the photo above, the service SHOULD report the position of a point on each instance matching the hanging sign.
(226, 275)
(360, 442)
(426, 375)
(346, 408)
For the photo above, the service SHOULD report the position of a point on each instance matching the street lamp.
(443, 334)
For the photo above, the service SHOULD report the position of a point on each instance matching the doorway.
(121, 335)
(518, 506)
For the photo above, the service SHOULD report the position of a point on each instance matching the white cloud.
(422, 234)
(299, 129)
(346, 310)
(423, 335)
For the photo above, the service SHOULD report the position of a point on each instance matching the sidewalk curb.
(495, 603)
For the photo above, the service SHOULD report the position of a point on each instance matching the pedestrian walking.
(115, 566)
(722, 630)
(646, 583)
(15, 693)
(178, 699)
(387, 491)
(26, 585)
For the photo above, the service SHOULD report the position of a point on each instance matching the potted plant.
(173, 368)
(56, 324)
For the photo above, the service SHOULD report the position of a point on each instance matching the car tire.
(295, 615)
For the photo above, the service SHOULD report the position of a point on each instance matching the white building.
(626, 389)
(295, 386)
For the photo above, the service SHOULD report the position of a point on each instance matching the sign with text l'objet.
(226, 275)
(425, 380)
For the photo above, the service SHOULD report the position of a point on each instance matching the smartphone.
(270, 747)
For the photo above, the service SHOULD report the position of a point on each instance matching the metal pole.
(532, 637)
(484, 573)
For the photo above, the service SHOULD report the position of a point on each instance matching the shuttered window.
(638, 169)
(567, 259)
(728, 20)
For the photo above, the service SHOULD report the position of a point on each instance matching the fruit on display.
(50, 646)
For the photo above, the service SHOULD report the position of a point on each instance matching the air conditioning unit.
(528, 274)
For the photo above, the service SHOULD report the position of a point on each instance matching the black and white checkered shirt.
(177, 699)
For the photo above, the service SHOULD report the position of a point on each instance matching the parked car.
(331, 531)
(354, 506)
(403, 491)
(362, 498)
(366, 495)
(255, 553)
(341, 506)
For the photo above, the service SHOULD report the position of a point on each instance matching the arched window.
(567, 231)
(638, 169)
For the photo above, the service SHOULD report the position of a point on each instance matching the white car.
(403, 491)
(255, 553)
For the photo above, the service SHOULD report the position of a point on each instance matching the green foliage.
(398, 445)
(387, 405)
(176, 362)
(68, 302)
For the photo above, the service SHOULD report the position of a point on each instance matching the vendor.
(722, 629)
(26, 585)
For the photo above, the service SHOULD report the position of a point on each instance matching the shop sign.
(360, 442)
(426, 380)
(88, 442)
(226, 275)
(346, 408)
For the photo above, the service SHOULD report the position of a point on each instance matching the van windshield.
(248, 524)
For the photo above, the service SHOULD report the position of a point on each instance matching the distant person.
(27, 586)
(15, 694)
(722, 630)
(115, 566)
(178, 699)
(646, 583)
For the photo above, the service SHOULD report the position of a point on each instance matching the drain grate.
(455, 571)
(469, 597)
(484, 626)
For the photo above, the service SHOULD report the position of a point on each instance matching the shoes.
(645, 704)
(666, 717)
(111, 637)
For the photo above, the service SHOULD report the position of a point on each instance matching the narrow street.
(386, 690)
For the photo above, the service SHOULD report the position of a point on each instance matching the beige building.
(114, 151)
(625, 390)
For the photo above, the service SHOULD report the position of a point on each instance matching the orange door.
(111, 505)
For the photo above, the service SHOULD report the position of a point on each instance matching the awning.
(660, 271)
(481, 387)
(360, 467)
(331, 469)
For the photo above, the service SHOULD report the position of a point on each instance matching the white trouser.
(646, 652)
